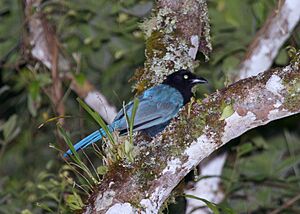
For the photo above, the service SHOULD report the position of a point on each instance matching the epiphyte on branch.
(157, 106)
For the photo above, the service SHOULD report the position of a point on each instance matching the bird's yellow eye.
(185, 76)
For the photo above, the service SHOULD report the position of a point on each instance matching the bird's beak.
(199, 80)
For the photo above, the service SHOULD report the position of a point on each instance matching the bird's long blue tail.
(90, 139)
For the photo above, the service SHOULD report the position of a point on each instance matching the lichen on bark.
(174, 33)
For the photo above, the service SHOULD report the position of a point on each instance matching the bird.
(157, 106)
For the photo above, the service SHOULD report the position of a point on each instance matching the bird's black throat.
(185, 90)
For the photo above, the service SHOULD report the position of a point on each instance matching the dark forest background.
(103, 42)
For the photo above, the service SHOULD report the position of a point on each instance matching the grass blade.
(97, 118)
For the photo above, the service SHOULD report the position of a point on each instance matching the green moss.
(155, 46)
(292, 82)
(292, 99)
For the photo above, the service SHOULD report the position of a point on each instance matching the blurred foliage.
(102, 40)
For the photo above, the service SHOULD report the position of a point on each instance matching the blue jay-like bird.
(157, 106)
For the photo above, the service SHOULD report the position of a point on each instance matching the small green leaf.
(75, 157)
(244, 149)
(131, 122)
(34, 90)
(67, 139)
(9, 128)
(227, 112)
(288, 163)
(43, 79)
(214, 207)
(26, 211)
(74, 201)
(97, 118)
(31, 106)
(282, 57)
(128, 147)
(209, 204)
(102, 170)
(80, 78)
(44, 207)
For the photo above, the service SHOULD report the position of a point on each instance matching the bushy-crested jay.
(156, 107)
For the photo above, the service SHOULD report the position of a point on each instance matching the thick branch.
(195, 134)
(144, 185)
(270, 38)
(174, 35)
(45, 48)
(252, 64)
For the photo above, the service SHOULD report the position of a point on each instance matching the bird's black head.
(183, 81)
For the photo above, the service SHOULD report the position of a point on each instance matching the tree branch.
(195, 134)
(276, 30)
(174, 35)
(45, 48)
(144, 185)
(252, 64)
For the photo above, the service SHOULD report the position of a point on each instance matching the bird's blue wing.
(156, 106)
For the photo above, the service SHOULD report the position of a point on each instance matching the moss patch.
(155, 46)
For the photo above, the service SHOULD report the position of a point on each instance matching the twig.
(286, 205)
(45, 48)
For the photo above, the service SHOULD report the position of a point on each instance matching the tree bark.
(276, 30)
(259, 57)
(200, 129)
(45, 48)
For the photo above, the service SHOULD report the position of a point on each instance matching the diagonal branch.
(45, 48)
(225, 115)
(144, 185)
(252, 64)
(276, 30)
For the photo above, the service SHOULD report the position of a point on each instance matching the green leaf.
(227, 112)
(75, 157)
(80, 78)
(31, 106)
(34, 90)
(282, 57)
(74, 201)
(128, 147)
(259, 142)
(67, 139)
(214, 207)
(131, 122)
(43, 79)
(244, 149)
(209, 204)
(97, 118)
(44, 207)
(288, 163)
(102, 170)
(10, 130)
(26, 211)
